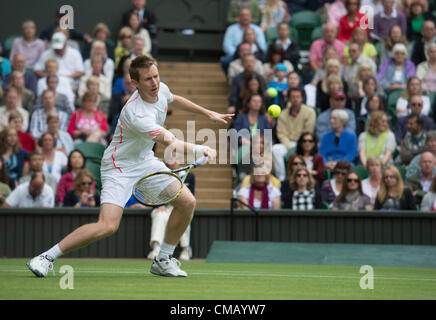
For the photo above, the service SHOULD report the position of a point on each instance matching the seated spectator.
(124, 45)
(370, 87)
(119, 76)
(276, 56)
(15, 158)
(27, 141)
(54, 161)
(352, 197)
(5, 189)
(28, 45)
(19, 64)
(329, 53)
(375, 5)
(395, 36)
(426, 71)
(33, 194)
(38, 123)
(138, 30)
(336, 11)
(274, 12)
(82, 194)
(76, 162)
(414, 167)
(420, 52)
(393, 195)
(420, 183)
(279, 81)
(261, 193)
(93, 85)
(99, 49)
(294, 81)
(356, 90)
(236, 66)
(394, 72)
(415, 19)
(291, 48)
(105, 84)
(88, 124)
(11, 105)
(35, 165)
(338, 144)
(64, 142)
(332, 188)
(413, 144)
(428, 202)
(378, 139)
(331, 83)
(413, 88)
(118, 100)
(416, 106)
(371, 185)
(26, 97)
(352, 20)
(336, 101)
(384, 20)
(236, 5)
(101, 33)
(307, 147)
(299, 191)
(373, 103)
(146, 16)
(360, 36)
(296, 119)
(251, 38)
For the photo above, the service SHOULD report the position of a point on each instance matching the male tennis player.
(127, 159)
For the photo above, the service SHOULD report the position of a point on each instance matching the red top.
(345, 30)
(27, 141)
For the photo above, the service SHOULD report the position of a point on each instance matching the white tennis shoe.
(167, 268)
(41, 265)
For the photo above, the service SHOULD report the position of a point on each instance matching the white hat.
(58, 40)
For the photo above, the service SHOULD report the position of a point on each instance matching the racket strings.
(148, 190)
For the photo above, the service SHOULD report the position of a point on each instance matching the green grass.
(130, 279)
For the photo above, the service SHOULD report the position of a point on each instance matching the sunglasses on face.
(307, 141)
(352, 180)
(297, 163)
(86, 183)
(301, 175)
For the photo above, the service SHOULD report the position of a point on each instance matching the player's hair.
(141, 62)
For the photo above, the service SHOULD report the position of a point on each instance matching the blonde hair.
(374, 122)
(363, 66)
(79, 178)
(325, 85)
(98, 43)
(398, 189)
(293, 179)
(101, 27)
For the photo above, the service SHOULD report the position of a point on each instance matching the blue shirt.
(233, 38)
(345, 150)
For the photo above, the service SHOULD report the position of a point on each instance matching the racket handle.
(200, 160)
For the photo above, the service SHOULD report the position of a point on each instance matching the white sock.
(166, 250)
(53, 253)
(156, 246)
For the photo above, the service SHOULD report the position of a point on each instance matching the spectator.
(376, 5)
(146, 16)
(413, 88)
(336, 11)
(76, 162)
(274, 12)
(276, 56)
(329, 53)
(25, 97)
(332, 188)
(98, 48)
(356, 90)
(371, 185)
(118, 100)
(105, 84)
(82, 194)
(249, 37)
(139, 31)
(13, 155)
(299, 192)
(35, 165)
(234, 33)
(428, 202)
(386, 19)
(19, 64)
(137, 50)
(420, 48)
(11, 101)
(360, 36)
(236, 5)
(338, 144)
(120, 74)
(296, 119)
(393, 195)
(33, 194)
(336, 101)
(236, 66)
(279, 81)
(352, 20)
(373, 103)
(88, 124)
(70, 60)
(394, 72)
(54, 161)
(291, 48)
(420, 184)
(416, 105)
(395, 35)
(378, 140)
(38, 123)
(261, 193)
(27, 141)
(415, 20)
(27, 45)
(430, 142)
(426, 71)
(332, 83)
(93, 85)
(101, 33)
(5, 67)
(370, 87)
(352, 197)
(318, 46)
(124, 45)
(64, 142)
(5, 190)
(307, 147)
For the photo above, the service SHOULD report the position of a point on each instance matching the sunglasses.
(307, 140)
(297, 163)
(339, 99)
(352, 180)
(301, 175)
(86, 184)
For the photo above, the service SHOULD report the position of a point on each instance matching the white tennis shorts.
(117, 186)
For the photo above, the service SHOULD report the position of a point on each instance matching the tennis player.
(127, 159)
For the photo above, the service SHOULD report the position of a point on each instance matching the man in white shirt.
(33, 194)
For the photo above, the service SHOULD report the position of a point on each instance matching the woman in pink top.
(88, 124)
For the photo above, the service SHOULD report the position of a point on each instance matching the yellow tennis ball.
(272, 92)
(274, 110)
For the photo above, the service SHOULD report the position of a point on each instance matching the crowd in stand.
(356, 130)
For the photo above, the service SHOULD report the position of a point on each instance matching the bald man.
(420, 183)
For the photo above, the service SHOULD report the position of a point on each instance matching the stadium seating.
(361, 171)
(91, 150)
(317, 33)
(305, 22)
(95, 170)
(391, 108)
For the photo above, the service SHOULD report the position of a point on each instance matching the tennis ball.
(274, 110)
(272, 92)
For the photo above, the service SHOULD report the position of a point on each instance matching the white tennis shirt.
(139, 123)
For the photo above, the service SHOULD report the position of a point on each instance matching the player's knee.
(108, 228)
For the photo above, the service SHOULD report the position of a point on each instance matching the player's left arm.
(183, 103)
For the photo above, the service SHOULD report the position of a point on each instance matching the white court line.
(239, 274)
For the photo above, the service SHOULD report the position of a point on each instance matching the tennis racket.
(145, 191)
